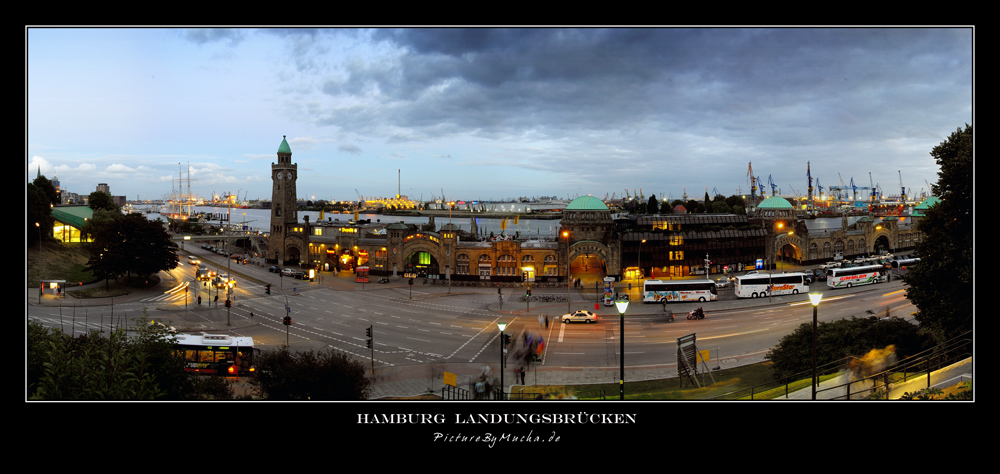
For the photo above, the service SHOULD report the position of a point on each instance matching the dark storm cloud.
(718, 96)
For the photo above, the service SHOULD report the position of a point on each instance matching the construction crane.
(774, 187)
(873, 196)
(902, 196)
(753, 185)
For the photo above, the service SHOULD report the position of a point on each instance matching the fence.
(849, 386)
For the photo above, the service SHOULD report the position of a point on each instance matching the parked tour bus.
(853, 276)
(658, 291)
(760, 285)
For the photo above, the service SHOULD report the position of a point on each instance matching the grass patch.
(62, 261)
(58, 261)
(721, 382)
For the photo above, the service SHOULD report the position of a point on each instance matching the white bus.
(901, 266)
(659, 291)
(762, 284)
(853, 276)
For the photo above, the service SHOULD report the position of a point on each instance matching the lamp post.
(501, 326)
(638, 263)
(566, 234)
(40, 284)
(814, 298)
(622, 304)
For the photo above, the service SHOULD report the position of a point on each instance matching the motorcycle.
(698, 313)
(383, 280)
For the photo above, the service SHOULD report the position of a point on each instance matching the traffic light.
(267, 288)
(506, 339)
(287, 321)
(368, 333)
(529, 292)
(228, 303)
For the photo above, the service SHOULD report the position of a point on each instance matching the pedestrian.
(522, 374)
(251, 315)
(546, 321)
(540, 320)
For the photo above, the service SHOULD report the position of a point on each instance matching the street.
(434, 324)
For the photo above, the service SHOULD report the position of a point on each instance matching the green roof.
(284, 148)
(586, 203)
(75, 216)
(775, 202)
(926, 204)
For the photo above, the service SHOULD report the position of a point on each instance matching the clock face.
(280, 175)
(288, 176)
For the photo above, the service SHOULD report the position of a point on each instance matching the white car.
(193, 260)
(722, 282)
(585, 316)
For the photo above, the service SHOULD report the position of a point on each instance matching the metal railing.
(877, 385)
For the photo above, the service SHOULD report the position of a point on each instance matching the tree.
(132, 244)
(941, 285)
(39, 212)
(652, 207)
(101, 200)
(836, 340)
(310, 375)
(139, 365)
(47, 188)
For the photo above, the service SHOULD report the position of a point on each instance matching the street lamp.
(501, 326)
(638, 260)
(622, 305)
(814, 298)
(566, 234)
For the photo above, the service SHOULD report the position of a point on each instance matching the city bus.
(672, 291)
(852, 276)
(763, 284)
(217, 354)
(901, 266)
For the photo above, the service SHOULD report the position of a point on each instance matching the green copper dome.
(284, 148)
(586, 203)
(775, 202)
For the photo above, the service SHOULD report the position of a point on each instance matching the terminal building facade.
(590, 236)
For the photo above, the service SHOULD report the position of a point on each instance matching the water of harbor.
(537, 229)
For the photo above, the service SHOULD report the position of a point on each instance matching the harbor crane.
(902, 196)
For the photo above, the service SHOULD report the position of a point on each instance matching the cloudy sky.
(493, 113)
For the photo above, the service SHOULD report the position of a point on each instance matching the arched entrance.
(420, 254)
(881, 245)
(292, 256)
(588, 263)
(787, 249)
(422, 263)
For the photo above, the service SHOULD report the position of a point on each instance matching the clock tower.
(288, 237)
